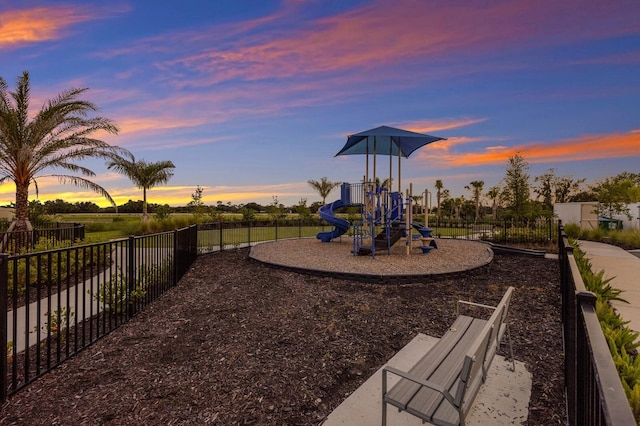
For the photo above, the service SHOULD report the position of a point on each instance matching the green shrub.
(163, 212)
(626, 238)
(572, 230)
(608, 316)
(52, 267)
(622, 337)
(633, 394)
(112, 296)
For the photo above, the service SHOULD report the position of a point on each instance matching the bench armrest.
(424, 383)
(478, 305)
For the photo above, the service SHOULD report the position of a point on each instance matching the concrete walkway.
(624, 269)
(502, 400)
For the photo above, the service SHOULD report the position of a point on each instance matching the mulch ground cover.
(238, 343)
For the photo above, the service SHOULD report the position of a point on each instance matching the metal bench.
(442, 385)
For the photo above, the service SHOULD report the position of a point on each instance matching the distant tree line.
(519, 196)
(59, 206)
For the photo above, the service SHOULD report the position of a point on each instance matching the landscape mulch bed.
(238, 342)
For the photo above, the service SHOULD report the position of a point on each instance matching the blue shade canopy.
(387, 141)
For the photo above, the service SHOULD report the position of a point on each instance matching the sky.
(251, 99)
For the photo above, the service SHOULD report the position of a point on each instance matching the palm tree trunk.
(21, 224)
(22, 208)
(145, 216)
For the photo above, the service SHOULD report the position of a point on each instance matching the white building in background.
(585, 215)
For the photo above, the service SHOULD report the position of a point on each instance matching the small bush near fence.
(51, 266)
(113, 296)
(627, 238)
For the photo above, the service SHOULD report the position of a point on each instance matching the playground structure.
(385, 217)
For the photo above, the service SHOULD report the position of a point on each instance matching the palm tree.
(57, 137)
(439, 187)
(144, 175)
(417, 203)
(324, 187)
(476, 190)
(494, 194)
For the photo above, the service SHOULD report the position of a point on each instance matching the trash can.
(609, 223)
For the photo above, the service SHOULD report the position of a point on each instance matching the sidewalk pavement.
(624, 269)
(502, 400)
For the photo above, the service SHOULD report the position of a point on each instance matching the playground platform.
(336, 259)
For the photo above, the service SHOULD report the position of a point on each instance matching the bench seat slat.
(438, 364)
(400, 394)
(426, 402)
(455, 367)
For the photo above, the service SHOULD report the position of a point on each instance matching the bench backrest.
(481, 353)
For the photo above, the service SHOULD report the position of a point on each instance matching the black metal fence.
(511, 231)
(61, 301)
(227, 235)
(14, 241)
(595, 395)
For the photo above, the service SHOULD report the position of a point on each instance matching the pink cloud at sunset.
(375, 36)
(38, 24)
(428, 126)
(236, 93)
(149, 124)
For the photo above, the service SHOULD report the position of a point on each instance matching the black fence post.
(276, 229)
(504, 231)
(131, 270)
(176, 261)
(4, 285)
(194, 245)
(220, 224)
(249, 233)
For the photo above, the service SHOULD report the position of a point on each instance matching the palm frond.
(60, 135)
(86, 184)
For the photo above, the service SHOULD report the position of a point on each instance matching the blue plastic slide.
(341, 225)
